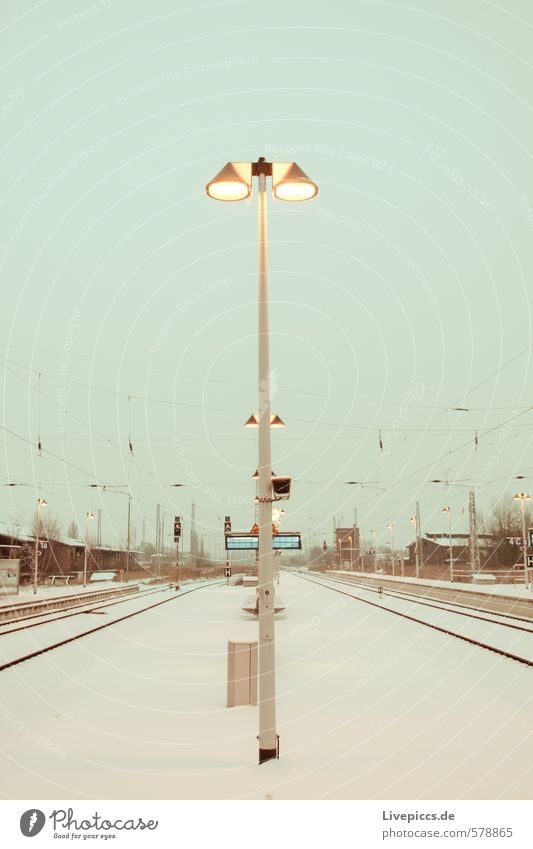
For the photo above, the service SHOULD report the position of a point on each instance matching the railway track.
(465, 597)
(44, 617)
(20, 610)
(511, 655)
(22, 658)
(457, 607)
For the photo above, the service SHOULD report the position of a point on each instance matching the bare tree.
(504, 522)
(49, 526)
(505, 519)
(73, 530)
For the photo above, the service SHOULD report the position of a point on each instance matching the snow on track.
(369, 706)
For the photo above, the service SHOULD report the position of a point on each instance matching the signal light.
(281, 488)
(227, 524)
(177, 528)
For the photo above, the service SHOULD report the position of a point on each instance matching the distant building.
(63, 556)
(347, 547)
(435, 551)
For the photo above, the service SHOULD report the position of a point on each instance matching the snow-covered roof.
(456, 541)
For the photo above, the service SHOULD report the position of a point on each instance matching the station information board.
(9, 576)
(250, 542)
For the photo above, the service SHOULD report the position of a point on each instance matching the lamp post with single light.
(290, 183)
(390, 527)
(522, 497)
(373, 535)
(448, 510)
(41, 502)
(414, 521)
(88, 517)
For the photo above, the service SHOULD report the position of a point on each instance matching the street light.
(414, 522)
(373, 535)
(41, 502)
(390, 527)
(116, 490)
(448, 510)
(233, 183)
(522, 497)
(88, 517)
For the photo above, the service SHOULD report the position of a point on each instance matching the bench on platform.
(65, 578)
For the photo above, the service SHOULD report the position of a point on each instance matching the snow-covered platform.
(514, 591)
(369, 706)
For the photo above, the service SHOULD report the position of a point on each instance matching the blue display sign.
(250, 542)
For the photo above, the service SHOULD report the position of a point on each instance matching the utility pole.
(473, 542)
(157, 537)
(415, 520)
(99, 529)
(353, 536)
(129, 532)
(390, 526)
(418, 538)
(193, 531)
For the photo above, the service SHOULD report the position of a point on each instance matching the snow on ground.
(512, 590)
(369, 706)
(24, 637)
(505, 633)
(47, 591)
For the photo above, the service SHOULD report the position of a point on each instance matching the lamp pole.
(414, 521)
(41, 502)
(115, 489)
(448, 510)
(128, 540)
(268, 739)
(289, 183)
(88, 516)
(390, 526)
(522, 497)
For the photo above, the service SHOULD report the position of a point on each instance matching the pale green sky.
(395, 293)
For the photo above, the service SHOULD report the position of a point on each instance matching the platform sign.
(250, 542)
(9, 576)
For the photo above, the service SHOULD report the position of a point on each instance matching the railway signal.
(177, 528)
(281, 487)
(227, 524)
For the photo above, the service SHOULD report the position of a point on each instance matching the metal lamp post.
(448, 510)
(414, 522)
(41, 502)
(234, 183)
(88, 517)
(373, 535)
(116, 490)
(522, 497)
(390, 526)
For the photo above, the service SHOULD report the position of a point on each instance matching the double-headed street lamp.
(41, 502)
(290, 183)
(88, 517)
(522, 497)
